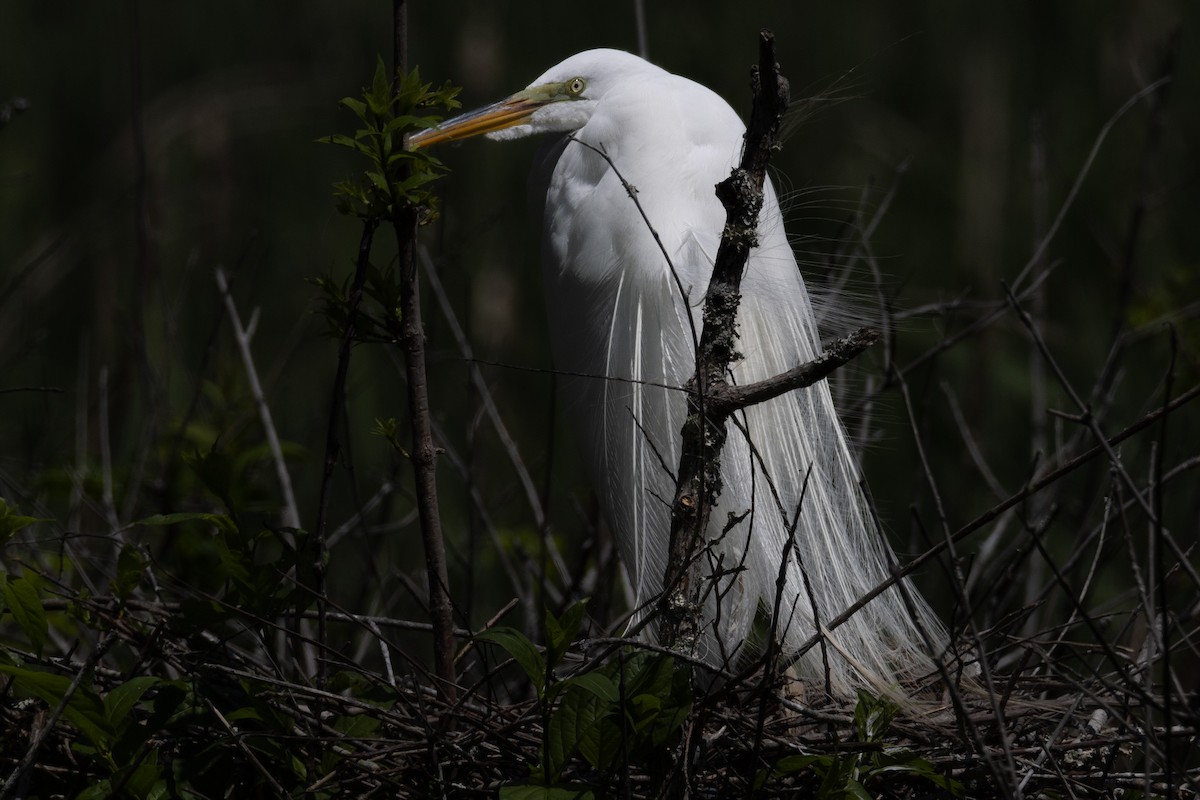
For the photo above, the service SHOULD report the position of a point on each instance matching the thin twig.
(291, 515)
(332, 442)
(240, 742)
(1040, 252)
(995, 511)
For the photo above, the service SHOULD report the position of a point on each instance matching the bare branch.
(727, 398)
(704, 431)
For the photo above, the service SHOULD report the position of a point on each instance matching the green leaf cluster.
(252, 563)
(207, 734)
(379, 323)
(627, 712)
(397, 179)
(847, 776)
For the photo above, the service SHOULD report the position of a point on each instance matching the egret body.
(624, 322)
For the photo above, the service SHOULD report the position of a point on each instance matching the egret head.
(560, 101)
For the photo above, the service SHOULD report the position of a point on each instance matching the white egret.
(617, 313)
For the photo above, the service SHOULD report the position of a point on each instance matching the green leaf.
(101, 790)
(576, 720)
(792, 764)
(561, 632)
(873, 716)
(411, 122)
(380, 94)
(131, 564)
(22, 598)
(85, 710)
(602, 686)
(517, 645)
(357, 106)
(143, 779)
(358, 726)
(603, 743)
(342, 140)
(246, 712)
(905, 762)
(119, 703)
(11, 521)
(650, 675)
(856, 790)
(221, 521)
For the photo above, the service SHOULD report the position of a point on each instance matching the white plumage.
(617, 313)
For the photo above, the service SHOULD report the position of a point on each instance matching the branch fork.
(712, 400)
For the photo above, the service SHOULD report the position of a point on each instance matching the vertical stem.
(424, 458)
(332, 445)
(400, 36)
(423, 454)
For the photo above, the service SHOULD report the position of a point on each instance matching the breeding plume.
(620, 319)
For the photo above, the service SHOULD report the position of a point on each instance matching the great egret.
(617, 313)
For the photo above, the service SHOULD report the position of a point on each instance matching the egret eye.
(575, 86)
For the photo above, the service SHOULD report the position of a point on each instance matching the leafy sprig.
(398, 178)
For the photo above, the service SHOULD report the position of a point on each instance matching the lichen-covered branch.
(703, 432)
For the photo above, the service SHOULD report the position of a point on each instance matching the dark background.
(980, 118)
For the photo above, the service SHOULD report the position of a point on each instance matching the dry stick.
(493, 532)
(291, 515)
(1154, 136)
(1038, 253)
(998, 509)
(724, 399)
(704, 434)
(489, 403)
(1089, 420)
(1159, 568)
(958, 584)
(49, 389)
(1043, 244)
